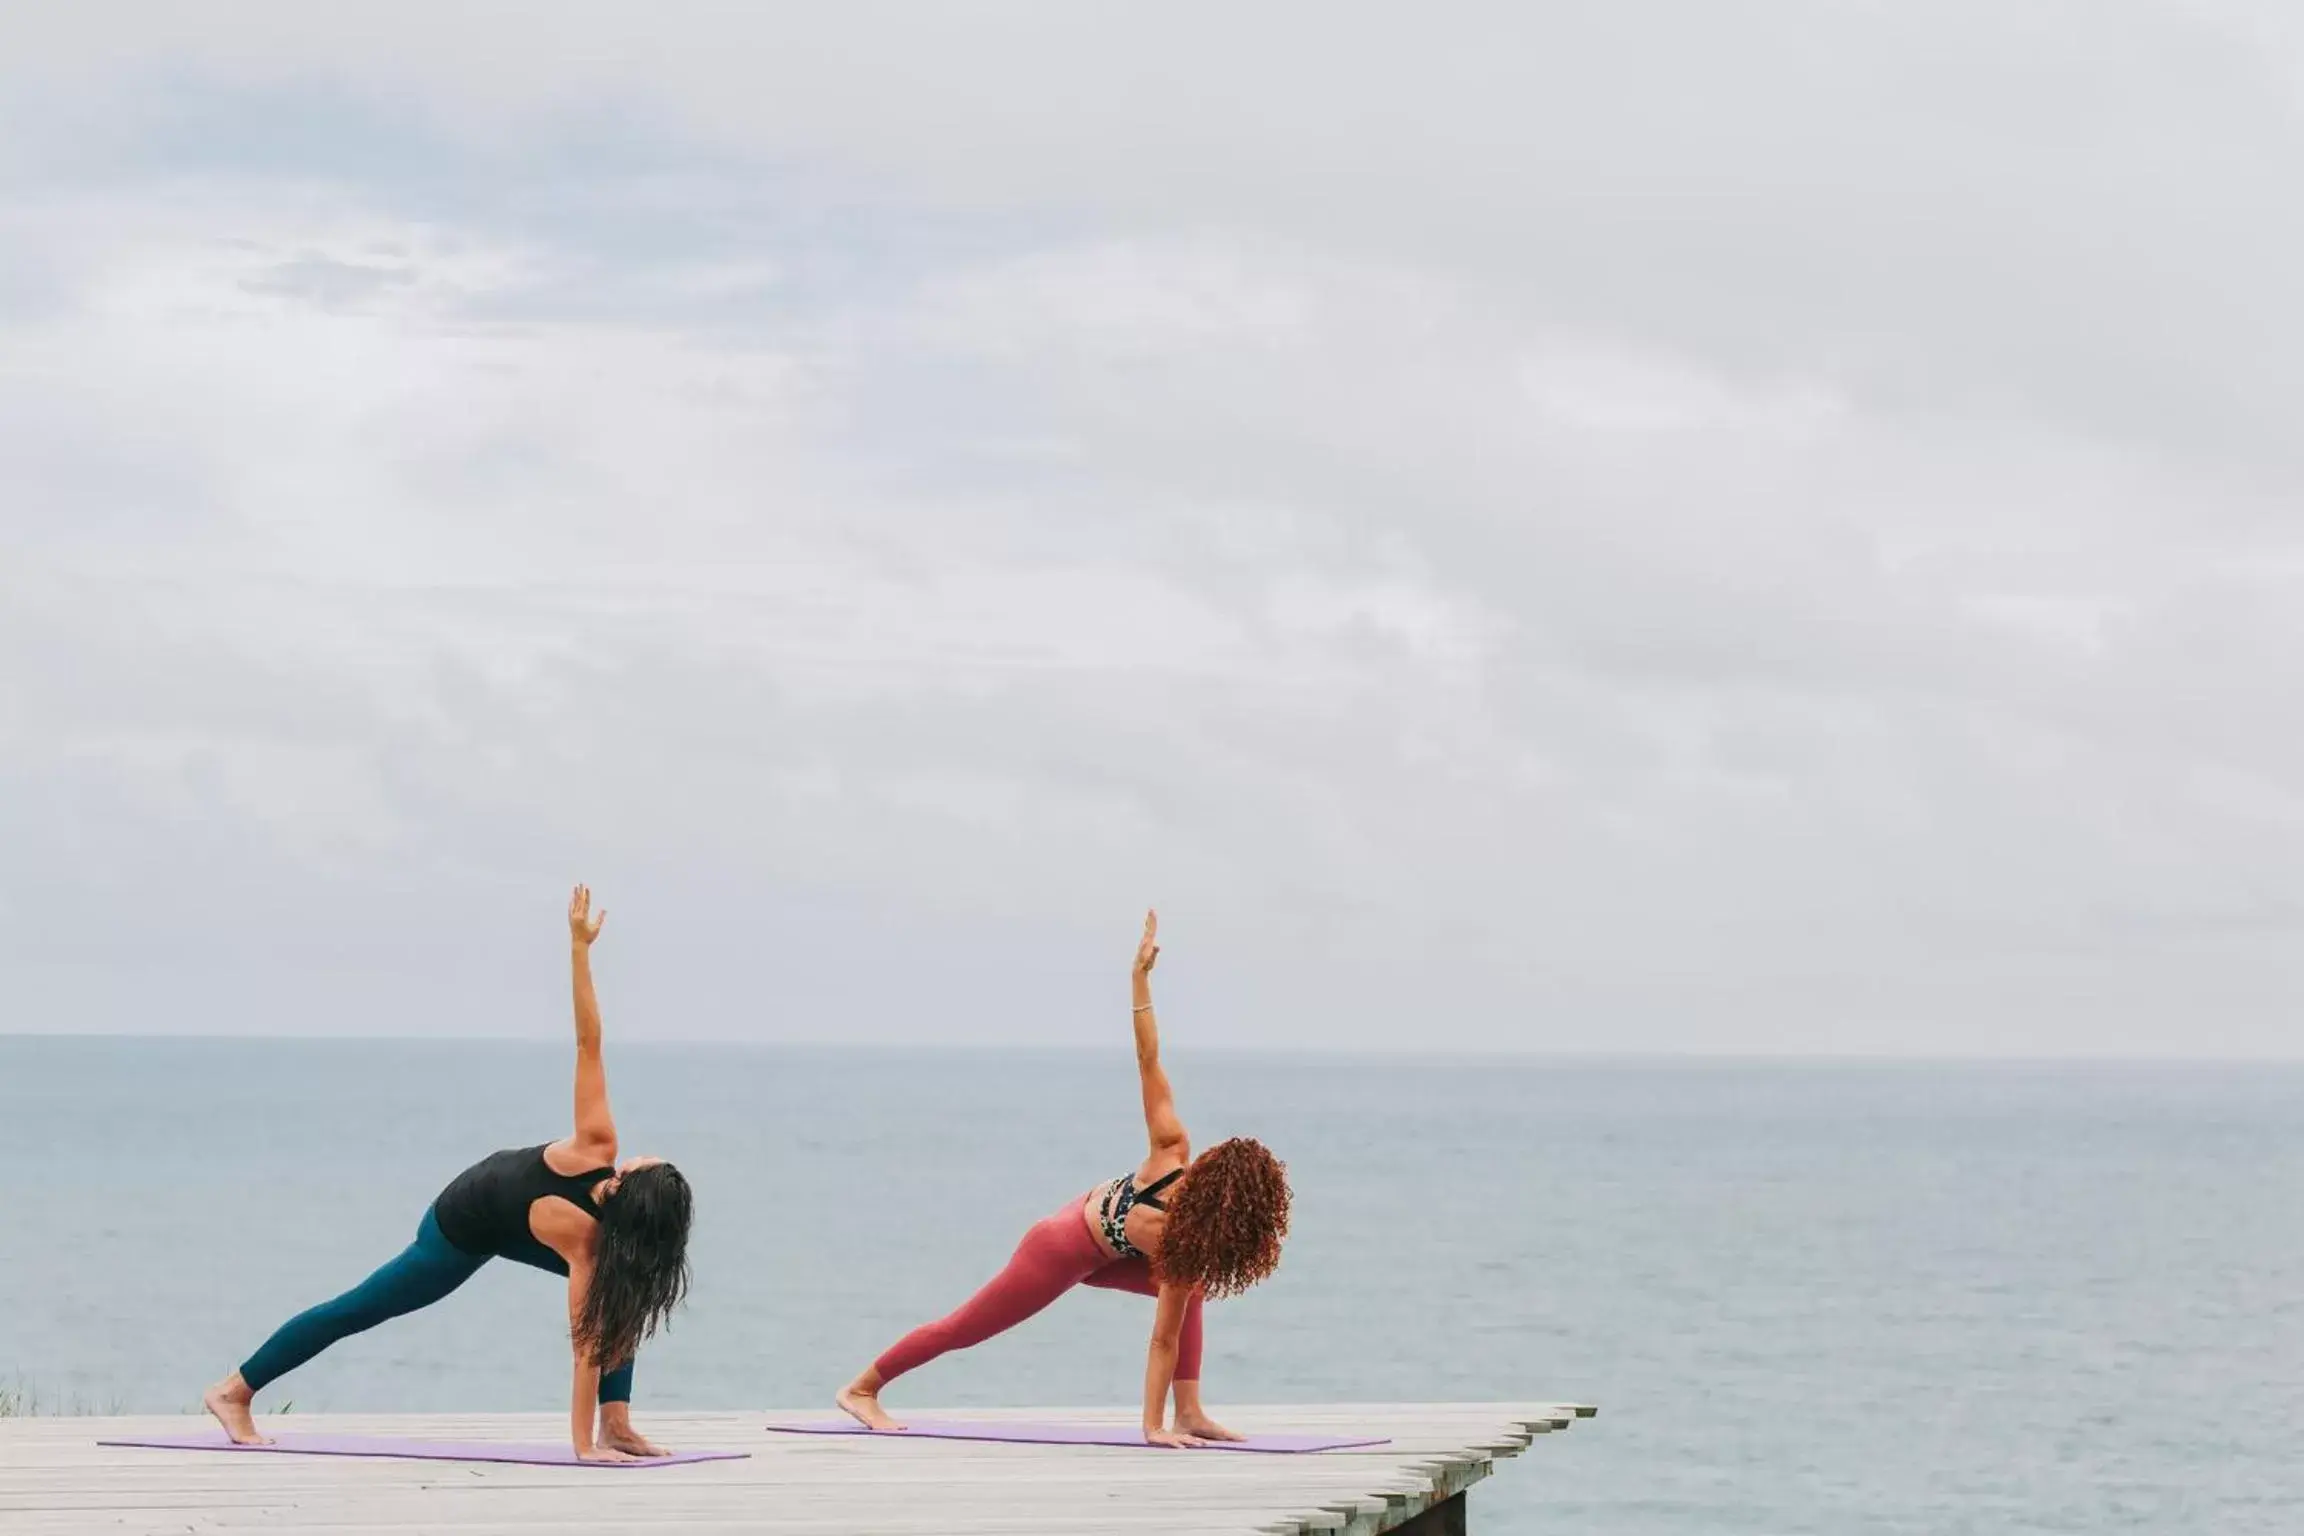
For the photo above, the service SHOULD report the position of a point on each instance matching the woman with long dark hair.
(1179, 1228)
(618, 1231)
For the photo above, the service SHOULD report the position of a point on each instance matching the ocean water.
(1820, 1298)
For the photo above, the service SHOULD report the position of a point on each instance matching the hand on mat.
(1148, 952)
(1174, 1438)
(583, 922)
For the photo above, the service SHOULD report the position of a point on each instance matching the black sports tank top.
(484, 1209)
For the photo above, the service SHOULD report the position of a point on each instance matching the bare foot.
(862, 1404)
(616, 1431)
(633, 1443)
(1201, 1427)
(228, 1400)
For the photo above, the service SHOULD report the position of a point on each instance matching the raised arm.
(595, 1136)
(1161, 1125)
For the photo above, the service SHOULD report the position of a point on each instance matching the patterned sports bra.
(1122, 1195)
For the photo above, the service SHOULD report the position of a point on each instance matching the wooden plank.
(55, 1480)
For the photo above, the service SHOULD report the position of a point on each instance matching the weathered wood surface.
(55, 1480)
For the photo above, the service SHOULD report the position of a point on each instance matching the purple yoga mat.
(1019, 1433)
(413, 1450)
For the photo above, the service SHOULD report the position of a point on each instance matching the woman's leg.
(615, 1400)
(1191, 1417)
(1055, 1255)
(1135, 1275)
(426, 1270)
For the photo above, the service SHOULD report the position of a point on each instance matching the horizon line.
(1658, 1057)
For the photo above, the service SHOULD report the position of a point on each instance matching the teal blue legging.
(426, 1270)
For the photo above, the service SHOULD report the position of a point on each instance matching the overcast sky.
(1629, 526)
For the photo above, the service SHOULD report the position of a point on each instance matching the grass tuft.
(18, 1401)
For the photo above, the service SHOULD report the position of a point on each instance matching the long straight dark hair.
(640, 1272)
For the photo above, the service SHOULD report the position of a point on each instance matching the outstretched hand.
(583, 922)
(1148, 952)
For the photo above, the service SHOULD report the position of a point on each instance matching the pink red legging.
(1058, 1253)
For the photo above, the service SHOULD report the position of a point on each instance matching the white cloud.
(1518, 541)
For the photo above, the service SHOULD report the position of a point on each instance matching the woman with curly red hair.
(1179, 1228)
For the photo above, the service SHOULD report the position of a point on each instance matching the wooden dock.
(55, 1480)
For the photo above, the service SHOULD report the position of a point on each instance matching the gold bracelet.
(1143, 1008)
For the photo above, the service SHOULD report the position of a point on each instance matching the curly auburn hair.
(1226, 1220)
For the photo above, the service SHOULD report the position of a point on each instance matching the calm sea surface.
(1810, 1298)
